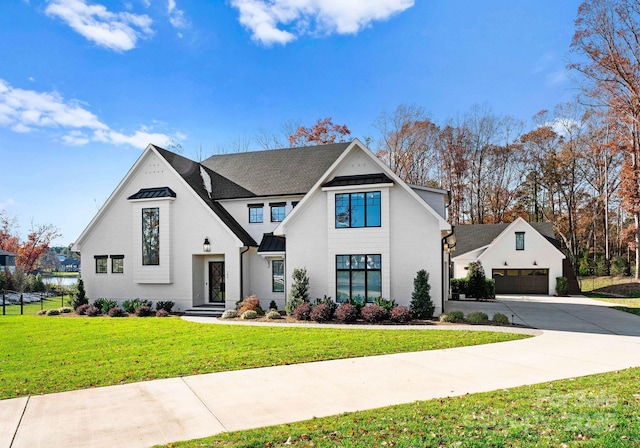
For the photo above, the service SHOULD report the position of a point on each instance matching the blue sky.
(86, 84)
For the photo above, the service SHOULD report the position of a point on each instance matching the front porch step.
(208, 310)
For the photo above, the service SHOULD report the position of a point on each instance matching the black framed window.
(519, 240)
(358, 210)
(358, 277)
(255, 213)
(277, 276)
(278, 211)
(117, 264)
(151, 236)
(101, 264)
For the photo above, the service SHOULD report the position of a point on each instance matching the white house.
(7, 261)
(207, 234)
(521, 257)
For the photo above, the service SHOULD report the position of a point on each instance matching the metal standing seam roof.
(153, 193)
(272, 243)
(359, 179)
(470, 237)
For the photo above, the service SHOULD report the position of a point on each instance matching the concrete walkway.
(579, 337)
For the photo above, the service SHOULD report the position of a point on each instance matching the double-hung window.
(255, 213)
(358, 277)
(278, 211)
(358, 209)
(101, 264)
(117, 264)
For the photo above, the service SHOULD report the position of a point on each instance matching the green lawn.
(40, 354)
(588, 284)
(594, 411)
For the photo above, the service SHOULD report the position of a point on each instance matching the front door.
(216, 281)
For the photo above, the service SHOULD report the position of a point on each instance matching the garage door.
(521, 281)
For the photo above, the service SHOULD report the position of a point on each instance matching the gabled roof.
(221, 187)
(471, 237)
(279, 172)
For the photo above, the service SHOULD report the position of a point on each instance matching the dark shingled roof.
(272, 243)
(276, 172)
(359, 179)
(221, 188)
(474, 236)
(152, 193)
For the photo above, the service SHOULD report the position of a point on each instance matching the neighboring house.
(522, 257)
(7, 261)
(70, 265)
(211, 233)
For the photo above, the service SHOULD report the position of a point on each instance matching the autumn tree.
(322, 133)
(607, 44)
(30, 250)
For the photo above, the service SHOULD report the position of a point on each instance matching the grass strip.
(629, 305)
(40, 354)
(594, 411)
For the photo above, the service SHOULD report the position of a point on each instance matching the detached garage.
(522, 257)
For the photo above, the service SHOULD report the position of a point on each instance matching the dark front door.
(216, 281)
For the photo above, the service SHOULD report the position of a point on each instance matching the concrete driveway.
(585, 338)
(576, 314)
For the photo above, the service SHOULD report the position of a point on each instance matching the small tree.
(81, 297)
(299, 290)
(477, 280)
(421, 304)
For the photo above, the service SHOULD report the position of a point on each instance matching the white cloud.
(564, 126)
(28, 111)
(115, 31)
(176, 16)
(263, 17)
(557, 77)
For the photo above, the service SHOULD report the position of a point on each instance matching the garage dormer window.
(519, 240)
(358, 210)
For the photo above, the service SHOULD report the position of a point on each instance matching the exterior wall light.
(206, 246)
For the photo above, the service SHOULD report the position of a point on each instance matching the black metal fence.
(20, 303)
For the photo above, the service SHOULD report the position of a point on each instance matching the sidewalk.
(162, 411)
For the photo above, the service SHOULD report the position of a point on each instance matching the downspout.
(445, 286)
(242, 272)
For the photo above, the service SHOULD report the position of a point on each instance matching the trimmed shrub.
(299, 290)
(459, 286)
(143, 311)
(477, 280)
(130, 306)
(302, 311)
(80, 297)
(421, 304)
(166, 305)
(273, 306)
(93, 311)
(42, 313)
(321, 313)
(477, 317)
(500, 318)
(116, 311)
(82, 309)
(53, 312)
(65, 310)
(452, 316)
(385, 303)
(489, 288)
(327, 301)
(273, 314)
(374, 313)
(249, 314)
(400, 314)
(162, 313)
(346, 313)
(562, 286)
(105, 305)
(251, 303)
(229, 314)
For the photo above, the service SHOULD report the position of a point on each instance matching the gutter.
(242, 272)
